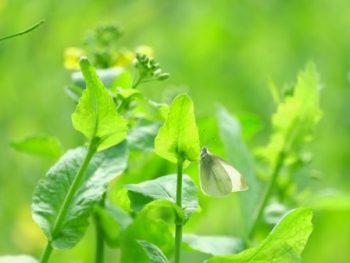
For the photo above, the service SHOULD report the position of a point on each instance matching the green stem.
(47, 253)
(268, 193)
(99, 256)
(69, 197)
(178, 223)
(136, 83)
(23, 32)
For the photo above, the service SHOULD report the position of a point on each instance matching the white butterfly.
(219, 178)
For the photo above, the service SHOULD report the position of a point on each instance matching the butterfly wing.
(237, 180)
(214, 179)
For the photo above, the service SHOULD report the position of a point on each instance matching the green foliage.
(284, 244)
(164, 187)
(178, 137)
(141, 136)
(214, 245)
(153, 252)
(53, 189)
(41, 145)
(113, 221)
(149, 228)
(239, 156)
(17, 259)
(96, 115)
(110, 109)
(295, 118)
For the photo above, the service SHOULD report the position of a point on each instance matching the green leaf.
(178, 137)
(113, 221)
(41, 145)
(238, 155)
(96, 114)
(153, 252)
(17, 259)
(284, 244)
(214, 245)
(164, 187)
(296, 117)
(142, 135)
(147, 226)
(51, 191)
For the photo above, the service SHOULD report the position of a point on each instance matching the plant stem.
(178, 225)
(99, 256)
(69, 197)
(23, 32)
(136, 83)
(268, 193)
(47, 253)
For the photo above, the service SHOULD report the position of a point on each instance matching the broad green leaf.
(147, 226)
(141, 136)
(51, 191)
(214, 245)
(296, 117)
(153, 252)
(17, 259)
(284, 244)
(164, 187)
(96, 114)
(113, 221)
(41, 145)
(178, 137)
(238, 155)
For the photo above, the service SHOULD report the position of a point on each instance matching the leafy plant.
(142, 214)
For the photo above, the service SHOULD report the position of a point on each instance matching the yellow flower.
(71, 58)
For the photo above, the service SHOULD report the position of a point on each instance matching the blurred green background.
(220, 51)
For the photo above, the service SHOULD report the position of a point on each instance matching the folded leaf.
(96, 114)
(153, 252)
(164, 187)
(214, 245)
(51, 191)
(284, 244)
(178, 137)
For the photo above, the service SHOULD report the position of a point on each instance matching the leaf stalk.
(69, 197)
(268, 193)
(178, 223)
